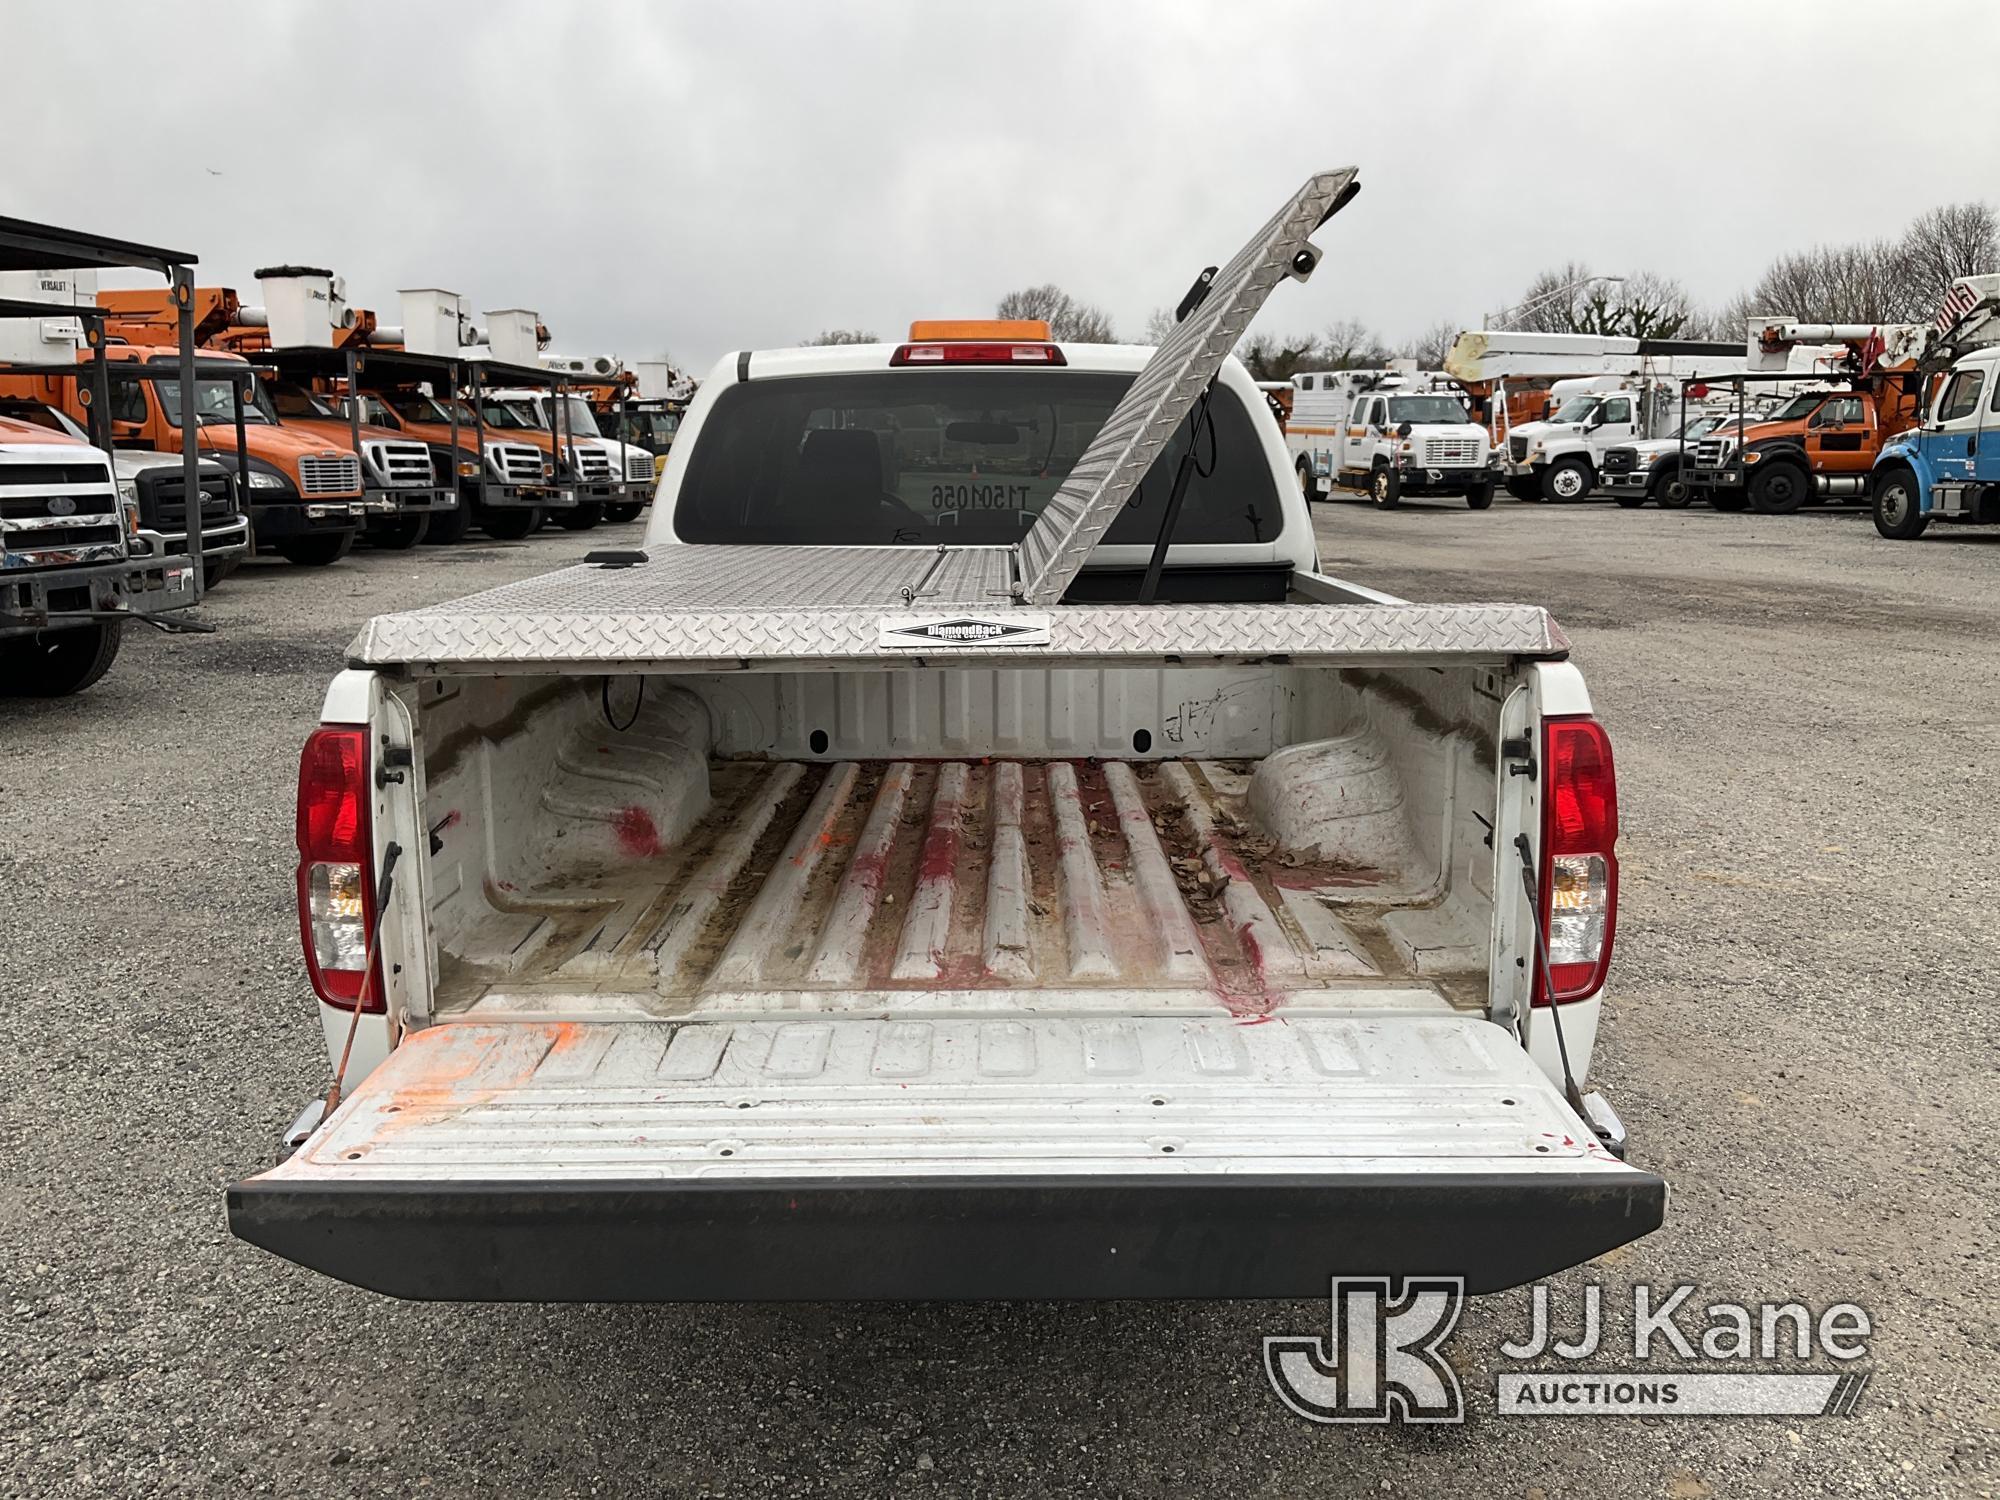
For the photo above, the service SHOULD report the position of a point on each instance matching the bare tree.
(840, 336)
(1957, 239)
(1833, 284)
(1652, 306)
(1347, 344)
(1070, 321)
(1084, 323)
(1430, 347)
(1270, 357)
(1730, 321)
(1159, 325)
(1350, 344)
(1568, 299)
(1551, 302)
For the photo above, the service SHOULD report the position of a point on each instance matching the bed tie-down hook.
(912, 592)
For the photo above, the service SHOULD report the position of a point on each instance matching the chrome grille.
(638, 466)
(1461, 452)
(163, 501)
(591, 463)
(1517, 449)
(330, 476)
(402, 465)
(48, 510)
(517, 462)
(1712, 453)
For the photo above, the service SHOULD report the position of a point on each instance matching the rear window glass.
(922, 457)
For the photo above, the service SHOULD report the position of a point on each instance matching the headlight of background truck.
(260, 480)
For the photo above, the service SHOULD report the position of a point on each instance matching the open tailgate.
(828, 1158)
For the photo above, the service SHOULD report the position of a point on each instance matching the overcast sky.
(703, 178)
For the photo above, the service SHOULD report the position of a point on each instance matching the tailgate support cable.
(384, 884)
(1570, 1090)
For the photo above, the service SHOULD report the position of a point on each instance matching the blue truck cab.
(1947, 467)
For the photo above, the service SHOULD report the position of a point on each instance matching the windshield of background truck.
(1576, 409)
(644, 427)
(922, 457)
(429, 409)
(289, 400)
(214, 401)
(510, 415)
(1424, 409)
(1797, 407)
(577, 417)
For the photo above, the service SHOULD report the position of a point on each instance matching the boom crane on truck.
(1861, 388)
(1945, 466)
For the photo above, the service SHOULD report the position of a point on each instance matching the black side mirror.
(1405, 430)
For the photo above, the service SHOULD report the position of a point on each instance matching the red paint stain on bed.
(637, 835)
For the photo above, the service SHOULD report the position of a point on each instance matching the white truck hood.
(1448, 430)
(130, 465)
(1533, 430)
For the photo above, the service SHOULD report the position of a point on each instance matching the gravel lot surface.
(1801, 1036)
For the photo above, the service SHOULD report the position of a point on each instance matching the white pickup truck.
(969, 853)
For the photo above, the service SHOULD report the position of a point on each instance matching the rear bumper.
(969, 1238)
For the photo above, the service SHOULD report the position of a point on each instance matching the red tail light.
(336, 885)
(977, 354)
(1579, 877)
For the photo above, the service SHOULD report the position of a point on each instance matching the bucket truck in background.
(1946, 466)
(1558, 403)
(1853, 386)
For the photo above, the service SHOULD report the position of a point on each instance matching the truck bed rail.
(746, 608)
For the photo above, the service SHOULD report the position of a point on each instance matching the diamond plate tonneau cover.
(1142, 424)
(806, 1099)
(723, 608)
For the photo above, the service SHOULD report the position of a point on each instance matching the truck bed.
(912, 885)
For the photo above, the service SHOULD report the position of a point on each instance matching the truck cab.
(303, 493)
(401, 486)
(1947, 466)
(1817, 445)
(71, 566)
(157, 484)
(647, 423)
(507, 489)
(1649, 469)
(1388, 435)
(611, 478)
(1561, 457)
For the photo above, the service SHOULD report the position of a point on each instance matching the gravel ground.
(1800, 1035)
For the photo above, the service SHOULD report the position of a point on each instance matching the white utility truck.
(1552, 440)
(1388, 434)
(611, 478)
(970, 852)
